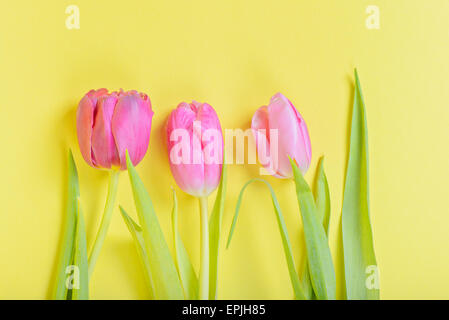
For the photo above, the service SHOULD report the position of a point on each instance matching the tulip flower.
(281, 120)
(108, 124)
(195, 148)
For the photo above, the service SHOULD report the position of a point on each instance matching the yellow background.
(235, 55)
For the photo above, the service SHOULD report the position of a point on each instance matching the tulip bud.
(282, 119)
(108, 124)
(195, 148)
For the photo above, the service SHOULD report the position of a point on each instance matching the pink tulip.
(195, 147)
(108, 124)
(292, 137)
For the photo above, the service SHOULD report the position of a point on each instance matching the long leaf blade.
(322, 198)
(66, 254)
(322, 201)
(294, 278)
(319, 257)
(137, 234)
(358, 247)
(166, 281)
(189, 280)
(214, 233)
(80, 260)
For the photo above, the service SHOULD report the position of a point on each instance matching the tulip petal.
(180, 118)
(292, 132)
(131, 127)
(212, 146)
(208, 117)
(261, 132)
(189, 174)
(189, 178)
(282, 118)
(85, 121)
(303, 154)
(103, 144)
(195, 147)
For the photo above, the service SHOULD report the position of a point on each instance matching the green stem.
(204, 262)
(105, 221)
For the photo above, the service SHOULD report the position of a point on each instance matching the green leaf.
(322, 198)
(361, 275)
(67, 248)
(319, 257)
(137, 234)
(189, 281)
(80, 258)
(297, 288)
(214, 233)
(322, 201)
(166, 281)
